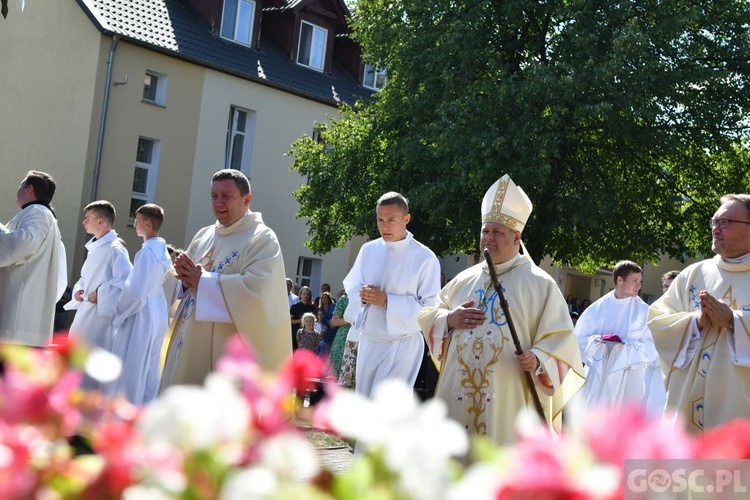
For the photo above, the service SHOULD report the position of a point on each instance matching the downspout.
(105, 107)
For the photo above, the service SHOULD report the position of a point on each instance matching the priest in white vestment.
(622, 366)
(33, 271)
(701, 326)
(231, 283)
(392, 278)
(481, 377)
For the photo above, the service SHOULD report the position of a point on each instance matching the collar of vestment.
(158, 246)
(623, 300)
(507, 266)
(400, 243)
(104, 240)
(243, 222)
(738, 265)
(42, 203)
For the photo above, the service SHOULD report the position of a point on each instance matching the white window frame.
(238, 25)
(320, 32)
(313, 279)
(233, 131)
(152, 170)
(371, 70)
(160, 93)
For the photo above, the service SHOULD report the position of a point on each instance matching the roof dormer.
(238, 21)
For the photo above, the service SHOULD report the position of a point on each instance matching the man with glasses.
(701, 326)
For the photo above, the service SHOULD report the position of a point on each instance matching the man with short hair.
(231, 283)
(33, 270)
(701, 326)
(482, 378)
(617, 348)
(667, 279)
(96, 294)
(293, 299)
(392, 278)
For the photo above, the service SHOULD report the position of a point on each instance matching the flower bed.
(236, 437)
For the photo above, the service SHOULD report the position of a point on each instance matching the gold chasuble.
(480, 379)
(247, 259)
(707, 372)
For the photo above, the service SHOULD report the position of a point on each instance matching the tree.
(623, 121)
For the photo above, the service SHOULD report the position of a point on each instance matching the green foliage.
(623, 121)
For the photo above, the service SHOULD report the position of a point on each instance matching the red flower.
(301, 372)
(118, 443)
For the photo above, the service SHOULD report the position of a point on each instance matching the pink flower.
(616, 435)
(238, 361)
(17, 480)
(538, 470)
(730, 441)
(118, 444)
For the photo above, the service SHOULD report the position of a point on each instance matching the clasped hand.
(713, 312)
(371, 294)
(187, 271)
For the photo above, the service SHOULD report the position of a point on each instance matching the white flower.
(249, 484)
(103, 366)
(417, 441)
(197, 418)
(479, 482)
(290, 455)
(139, 492)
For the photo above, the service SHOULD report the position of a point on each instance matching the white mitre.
(507, 204)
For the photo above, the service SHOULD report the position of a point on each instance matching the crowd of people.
(687, 354)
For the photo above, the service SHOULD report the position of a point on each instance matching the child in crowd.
(142, 317)
(97, 292)
(307, 337)
(321, 329)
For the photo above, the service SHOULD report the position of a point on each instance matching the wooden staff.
(513, 334)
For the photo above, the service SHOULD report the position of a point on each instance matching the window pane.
(369, 79)
(140, 180)
(380, 80)
(305, 43)
(145, 150)
(245, 22)
(228, 18)
(237, 145)
(149, 87)
(318, 49)
(307, 267)
(241, 120)
(135, 204)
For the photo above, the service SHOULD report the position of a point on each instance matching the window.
(312, 46)
(240, 135)
(144, 179)
(237, 20)
(373, 78)
(155, 88)
(308, 272)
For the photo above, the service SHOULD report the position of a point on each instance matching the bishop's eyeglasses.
(723, 223)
